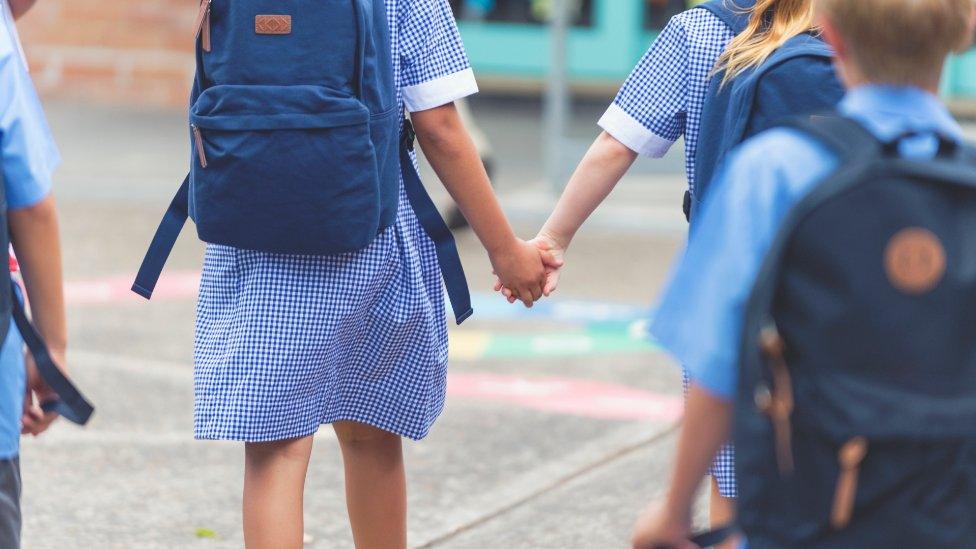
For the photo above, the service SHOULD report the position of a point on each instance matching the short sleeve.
(648, 114)
(27, 150)
(434, 67)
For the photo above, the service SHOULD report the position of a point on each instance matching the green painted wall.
(607, 51)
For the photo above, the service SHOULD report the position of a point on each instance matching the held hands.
(551, 254)
(523, 271)
(34, 420)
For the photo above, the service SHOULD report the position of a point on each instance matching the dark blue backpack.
(799, 78)
(71, 404)
(297, 143)
(855, 421)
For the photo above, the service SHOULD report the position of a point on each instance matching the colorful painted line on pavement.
(596, 340)
(117, 289)
(608, 328)
(575, 397)
(175, 285)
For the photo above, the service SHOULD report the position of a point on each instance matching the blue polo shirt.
(28, 157)
(699, 320)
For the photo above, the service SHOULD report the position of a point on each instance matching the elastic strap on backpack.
(71, 404)
(844, 136)
(163, 242)
(438, 231)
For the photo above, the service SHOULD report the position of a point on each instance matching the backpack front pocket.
(283, 169)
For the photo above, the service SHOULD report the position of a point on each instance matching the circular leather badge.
(915, 261)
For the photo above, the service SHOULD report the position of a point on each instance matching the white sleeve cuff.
(633, 134)
(440, 91)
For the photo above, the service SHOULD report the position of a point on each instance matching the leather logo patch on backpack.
(915, 261)
(272, 24)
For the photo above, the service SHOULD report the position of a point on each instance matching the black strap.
(163, 242)
(846, 137)
(714, 537)
(430, 219)
(71, 404)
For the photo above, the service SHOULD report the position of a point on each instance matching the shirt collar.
(891, 111)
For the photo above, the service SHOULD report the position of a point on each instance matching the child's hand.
(556, 253)
(34, 420)
(521, 270)
(552, 254)
(657, 528)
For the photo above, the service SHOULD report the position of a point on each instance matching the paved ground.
(559, 422)
(557, 427)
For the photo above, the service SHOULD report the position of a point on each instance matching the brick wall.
(113, 51)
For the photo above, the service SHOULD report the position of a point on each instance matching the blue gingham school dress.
(662, 100)
(286, 343)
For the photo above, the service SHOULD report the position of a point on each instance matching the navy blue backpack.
(297, 142)
(70, 404)
(797, 79)
(855, 421)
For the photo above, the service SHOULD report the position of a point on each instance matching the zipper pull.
(778, 405)
(202, 24)
(198, 141)
(849, 457)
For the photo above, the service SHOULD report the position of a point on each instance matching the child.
(890, 56)
(286, 343)
(662, 100)
(28, 157)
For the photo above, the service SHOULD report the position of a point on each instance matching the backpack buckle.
(409, 134)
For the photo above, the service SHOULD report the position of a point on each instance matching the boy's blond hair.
(901, 42)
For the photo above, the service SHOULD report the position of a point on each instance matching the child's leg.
(376, 485)
(721, 511)
(274, 488)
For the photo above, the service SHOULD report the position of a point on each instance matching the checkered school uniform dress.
(286, 343)
(661, 101)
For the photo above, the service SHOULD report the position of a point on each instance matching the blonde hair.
(771, 24)
(901, 42)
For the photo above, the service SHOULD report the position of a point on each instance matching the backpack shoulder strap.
(844, 136)
(734, 13)
(71, 404)
(433, 224)
(163, 242)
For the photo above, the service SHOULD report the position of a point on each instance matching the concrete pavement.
(559, 423)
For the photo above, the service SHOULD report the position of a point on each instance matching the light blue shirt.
(28, 157)
(28, 154)
(699, 319)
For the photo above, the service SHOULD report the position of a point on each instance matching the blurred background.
(559, 419)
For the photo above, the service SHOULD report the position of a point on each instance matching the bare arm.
(35, 237)
(34, 234)
(599, 172)
(452, 154)
(20, 7)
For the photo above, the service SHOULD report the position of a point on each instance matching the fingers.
(549, 260)
(31, 419)
(552, 281)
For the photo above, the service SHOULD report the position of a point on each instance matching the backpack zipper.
(850, 456)
(198, 141)
(203, 24)
(777, 402)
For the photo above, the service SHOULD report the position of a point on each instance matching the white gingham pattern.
(663, 97)
(661, 101)
(287, 343)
